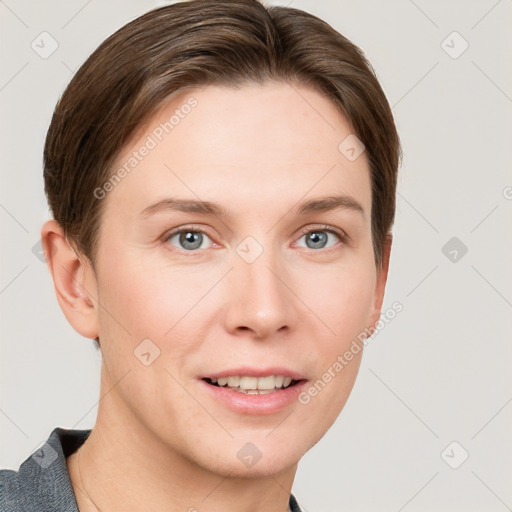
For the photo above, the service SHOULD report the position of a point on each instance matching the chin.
(250, 462)
(262, 469)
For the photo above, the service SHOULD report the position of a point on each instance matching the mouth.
(255, 391)
(254, 385)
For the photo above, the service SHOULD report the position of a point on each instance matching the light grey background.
(438, 373)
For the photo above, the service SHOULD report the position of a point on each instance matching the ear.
(73, 278)
(382, 275)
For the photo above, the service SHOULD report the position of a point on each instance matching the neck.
(123, 466)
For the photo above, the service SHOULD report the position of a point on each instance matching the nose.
(260, 301)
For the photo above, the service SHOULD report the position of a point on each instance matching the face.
(266, 279)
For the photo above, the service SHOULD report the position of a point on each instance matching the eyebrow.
(321, 204)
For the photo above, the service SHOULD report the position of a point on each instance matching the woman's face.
(259, 284)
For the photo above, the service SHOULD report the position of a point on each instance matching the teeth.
(233, 382)
(248, 382)
(267, 382)
(254, 385)
(253, 391)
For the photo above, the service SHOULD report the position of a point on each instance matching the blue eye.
(318, 238)
(189, 239)
(192, 240)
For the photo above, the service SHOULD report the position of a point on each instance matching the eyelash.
(325, 227)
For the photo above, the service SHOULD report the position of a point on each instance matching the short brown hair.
(197, 43)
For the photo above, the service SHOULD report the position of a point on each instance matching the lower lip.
(244, 403)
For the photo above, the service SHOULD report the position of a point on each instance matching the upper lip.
(255, 372)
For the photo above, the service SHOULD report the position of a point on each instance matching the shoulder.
(42, 481)
(9, 489)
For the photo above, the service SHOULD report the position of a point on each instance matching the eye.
(188, 239)
(319, 238)
(193, 239)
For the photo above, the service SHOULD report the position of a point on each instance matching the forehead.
(268, 143)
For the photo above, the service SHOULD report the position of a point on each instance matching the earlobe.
(73, 278)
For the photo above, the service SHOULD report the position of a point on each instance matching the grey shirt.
(42, 482)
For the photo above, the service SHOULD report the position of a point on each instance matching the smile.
(253, 385)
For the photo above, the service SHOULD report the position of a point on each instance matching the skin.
(258, 151)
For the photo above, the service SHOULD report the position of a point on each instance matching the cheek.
(343, 302)
(149, 298)
(141, 302)
(342, 298)
(144, 300)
